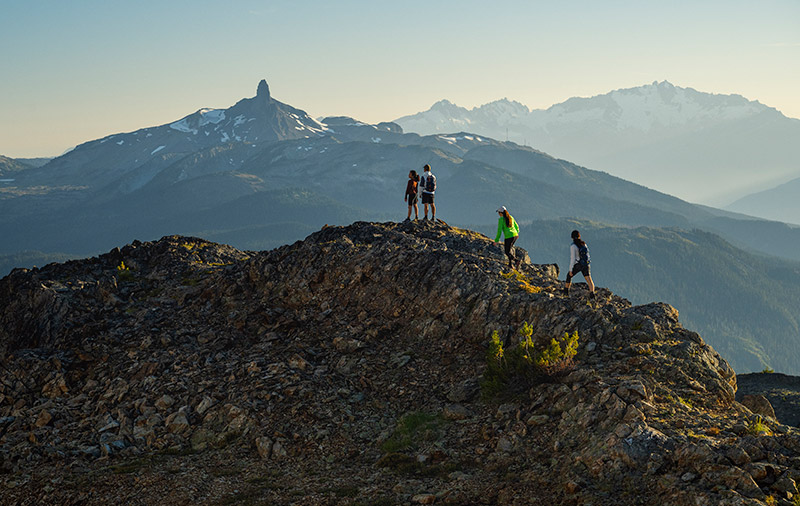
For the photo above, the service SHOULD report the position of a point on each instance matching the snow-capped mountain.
(700, 146)
(143, 153)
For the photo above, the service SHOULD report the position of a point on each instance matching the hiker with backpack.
(579, 262)
(411, 194)
(509, 227)
(428, 185)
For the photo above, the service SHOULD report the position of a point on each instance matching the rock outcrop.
(346, 369)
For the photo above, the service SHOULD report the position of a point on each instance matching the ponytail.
(508, 218)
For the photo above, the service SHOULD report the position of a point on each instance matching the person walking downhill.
(411, 194)
(579, 262)
(508, 226)
(428, 185)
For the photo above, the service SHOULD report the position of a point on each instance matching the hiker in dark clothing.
(578, 262)
(411, 194)
(427, 184)
(508, 226)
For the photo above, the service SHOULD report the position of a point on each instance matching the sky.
(83, 69)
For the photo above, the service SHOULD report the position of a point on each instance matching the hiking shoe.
(516, 264)
(407, 219)
(566, 292)
(425, 219)
(591, 295)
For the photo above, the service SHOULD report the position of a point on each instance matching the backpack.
(430, 183)
(583, 255)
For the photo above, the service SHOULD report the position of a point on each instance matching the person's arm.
(516, 227)
(499, 229)
(573, 256)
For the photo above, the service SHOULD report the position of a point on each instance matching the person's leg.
(433, 210)
(508, 246)
(590, 283)
(416, 210)
(425, 207)
(570, 273)
(409, 212)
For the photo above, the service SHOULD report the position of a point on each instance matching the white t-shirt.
(422, 181)
(574, 255)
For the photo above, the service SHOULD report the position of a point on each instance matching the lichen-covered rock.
(347, 368)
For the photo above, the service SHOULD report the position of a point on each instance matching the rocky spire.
(263, 90)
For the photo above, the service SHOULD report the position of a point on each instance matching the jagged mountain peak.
(263, 90)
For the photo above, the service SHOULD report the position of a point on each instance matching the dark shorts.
(580, 268)
(412, 199)
(427, 198)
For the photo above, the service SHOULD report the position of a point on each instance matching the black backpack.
(583, 255)
(430, 183)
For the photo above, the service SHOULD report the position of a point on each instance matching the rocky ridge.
(190, 372)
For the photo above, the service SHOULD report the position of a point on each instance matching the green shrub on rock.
(514, 370)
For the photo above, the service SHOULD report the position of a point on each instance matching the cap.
(502, 209)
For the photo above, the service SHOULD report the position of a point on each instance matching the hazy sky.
(77, 70)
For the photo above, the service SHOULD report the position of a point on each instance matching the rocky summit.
(349, 368)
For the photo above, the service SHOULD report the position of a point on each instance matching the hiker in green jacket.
(508, 226)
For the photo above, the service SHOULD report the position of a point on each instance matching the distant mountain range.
(10, 167)
(701, 147)
(780, 203)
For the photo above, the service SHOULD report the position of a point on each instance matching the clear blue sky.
(78, 70)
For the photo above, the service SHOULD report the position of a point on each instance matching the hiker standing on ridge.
(508, 226)
(411, 194)
(428, 185)
(579, 262)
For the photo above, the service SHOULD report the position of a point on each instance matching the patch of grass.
(759, 428)
(642, 348)
(413, 429)
(129, 467)
(678, 400)
(522, 281)
(406, 464)
(190, 280)
(219, 472)
(178, 451)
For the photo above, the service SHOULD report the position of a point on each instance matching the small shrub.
(770, 501)
(124, 273)
(768, 371)
(514, 370)
(412, 429)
